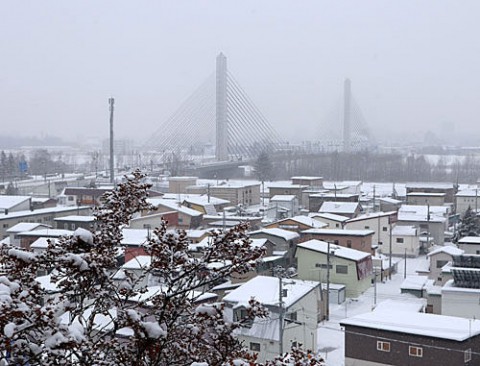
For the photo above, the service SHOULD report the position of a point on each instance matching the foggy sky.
(414, 65)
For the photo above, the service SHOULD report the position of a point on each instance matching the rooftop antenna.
(111, 102)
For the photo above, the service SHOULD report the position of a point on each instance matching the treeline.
(369, 166)
(17, 166)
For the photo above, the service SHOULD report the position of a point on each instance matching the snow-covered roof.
(423, 324)
(283, 198)
(372, 215)
(305, 177)
(26, 226)
(265, 290)
(8, 202)
(403, 230)
(171, 204)
(339, 207)
(470, 240)
(446, 249)
(390, 200)
(424, 194)
(339, 232)
(414, 283)
(138, 262)
(408, 304)
(204, 200)
(426, 185)
(134, 236)
(420, 213)
(304, 220)
(329, 216)
(41, 211)
(341, 252)
(468, 193)
(49, 233)
(40, 243)
(284, 234)
(77, 218)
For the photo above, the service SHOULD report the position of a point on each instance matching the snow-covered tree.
(469, 224)
(89, 314)
(263, 167)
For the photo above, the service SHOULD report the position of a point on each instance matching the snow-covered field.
(330, 334)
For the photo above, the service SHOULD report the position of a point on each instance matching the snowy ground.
(330, 334)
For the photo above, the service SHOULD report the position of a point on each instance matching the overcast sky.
(414, 65)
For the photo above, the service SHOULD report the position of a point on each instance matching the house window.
(399, 240)
(241, 315)
(322, 265)
(5, 226)
(415, 351)
(367, 227)
(349, 243)
(337, 225)
(383, 346)
(440, 264)
(335, 242)
(385, 228)
(65, 226)
(467, 355)
(254, 346)
(294, 344)
(342, 269)
(73, 226)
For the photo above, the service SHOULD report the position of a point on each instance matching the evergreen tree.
(469, 225)
(263, 167)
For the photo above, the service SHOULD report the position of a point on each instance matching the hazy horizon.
(412, 64)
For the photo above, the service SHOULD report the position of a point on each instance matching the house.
(23, 227)
(41, 216)
(28, 237)
(379, 222)
(311, 182)
(416, 286)
(355, 239)
(72, 222)
(288, 189)
(431, 221)
(284, 240)
(422, 198)
(83, 196)
(187, 217)
(349, 209)
(349, 267)
(240, 193)
(297, 224)
(333, 221)
(315, 200)
(466, 198)
(205, 204)
(470, 244)
(448, 189)
(284, 205)
(153, 220)
(10, 203)
(180, 184)
(439, 257)
(296, 316)
(389, 204)
(460, 295)
(405, 241)
(398, 338)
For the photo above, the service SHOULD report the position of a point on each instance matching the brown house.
(400, 338)
(355, 239)
(297, 224)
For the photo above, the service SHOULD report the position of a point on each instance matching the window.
(383, 346)
(241, 315)
(415, 351)
(294, 344)
(335, 242)
(291, 316)
(322, 265)
(399, 240)
(467, 355)
(385, 228)
(349, 243)
(342, 269)
(440, 264)
(337, 225)
(367, 227)
(65, 226)
(254, 346)
(73, 226)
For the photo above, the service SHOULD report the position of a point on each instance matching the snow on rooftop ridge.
(429, 325)
(341, 252)
(329, 216)
(339, 207)
(470, 240)
(446, 249)
(285, 234)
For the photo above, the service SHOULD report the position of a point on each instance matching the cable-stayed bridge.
(219, 113)
(220, 120)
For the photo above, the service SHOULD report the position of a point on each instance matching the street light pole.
(327, 310)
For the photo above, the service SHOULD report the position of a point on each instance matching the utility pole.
(280, 272)
(327, 310)
(111, 102)
(390, 248)
(374, 287)
(405, 265)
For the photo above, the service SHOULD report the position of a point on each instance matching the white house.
(405, 240)
(300, 304)
(470, 244)
(284, 205)
(439, 257)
